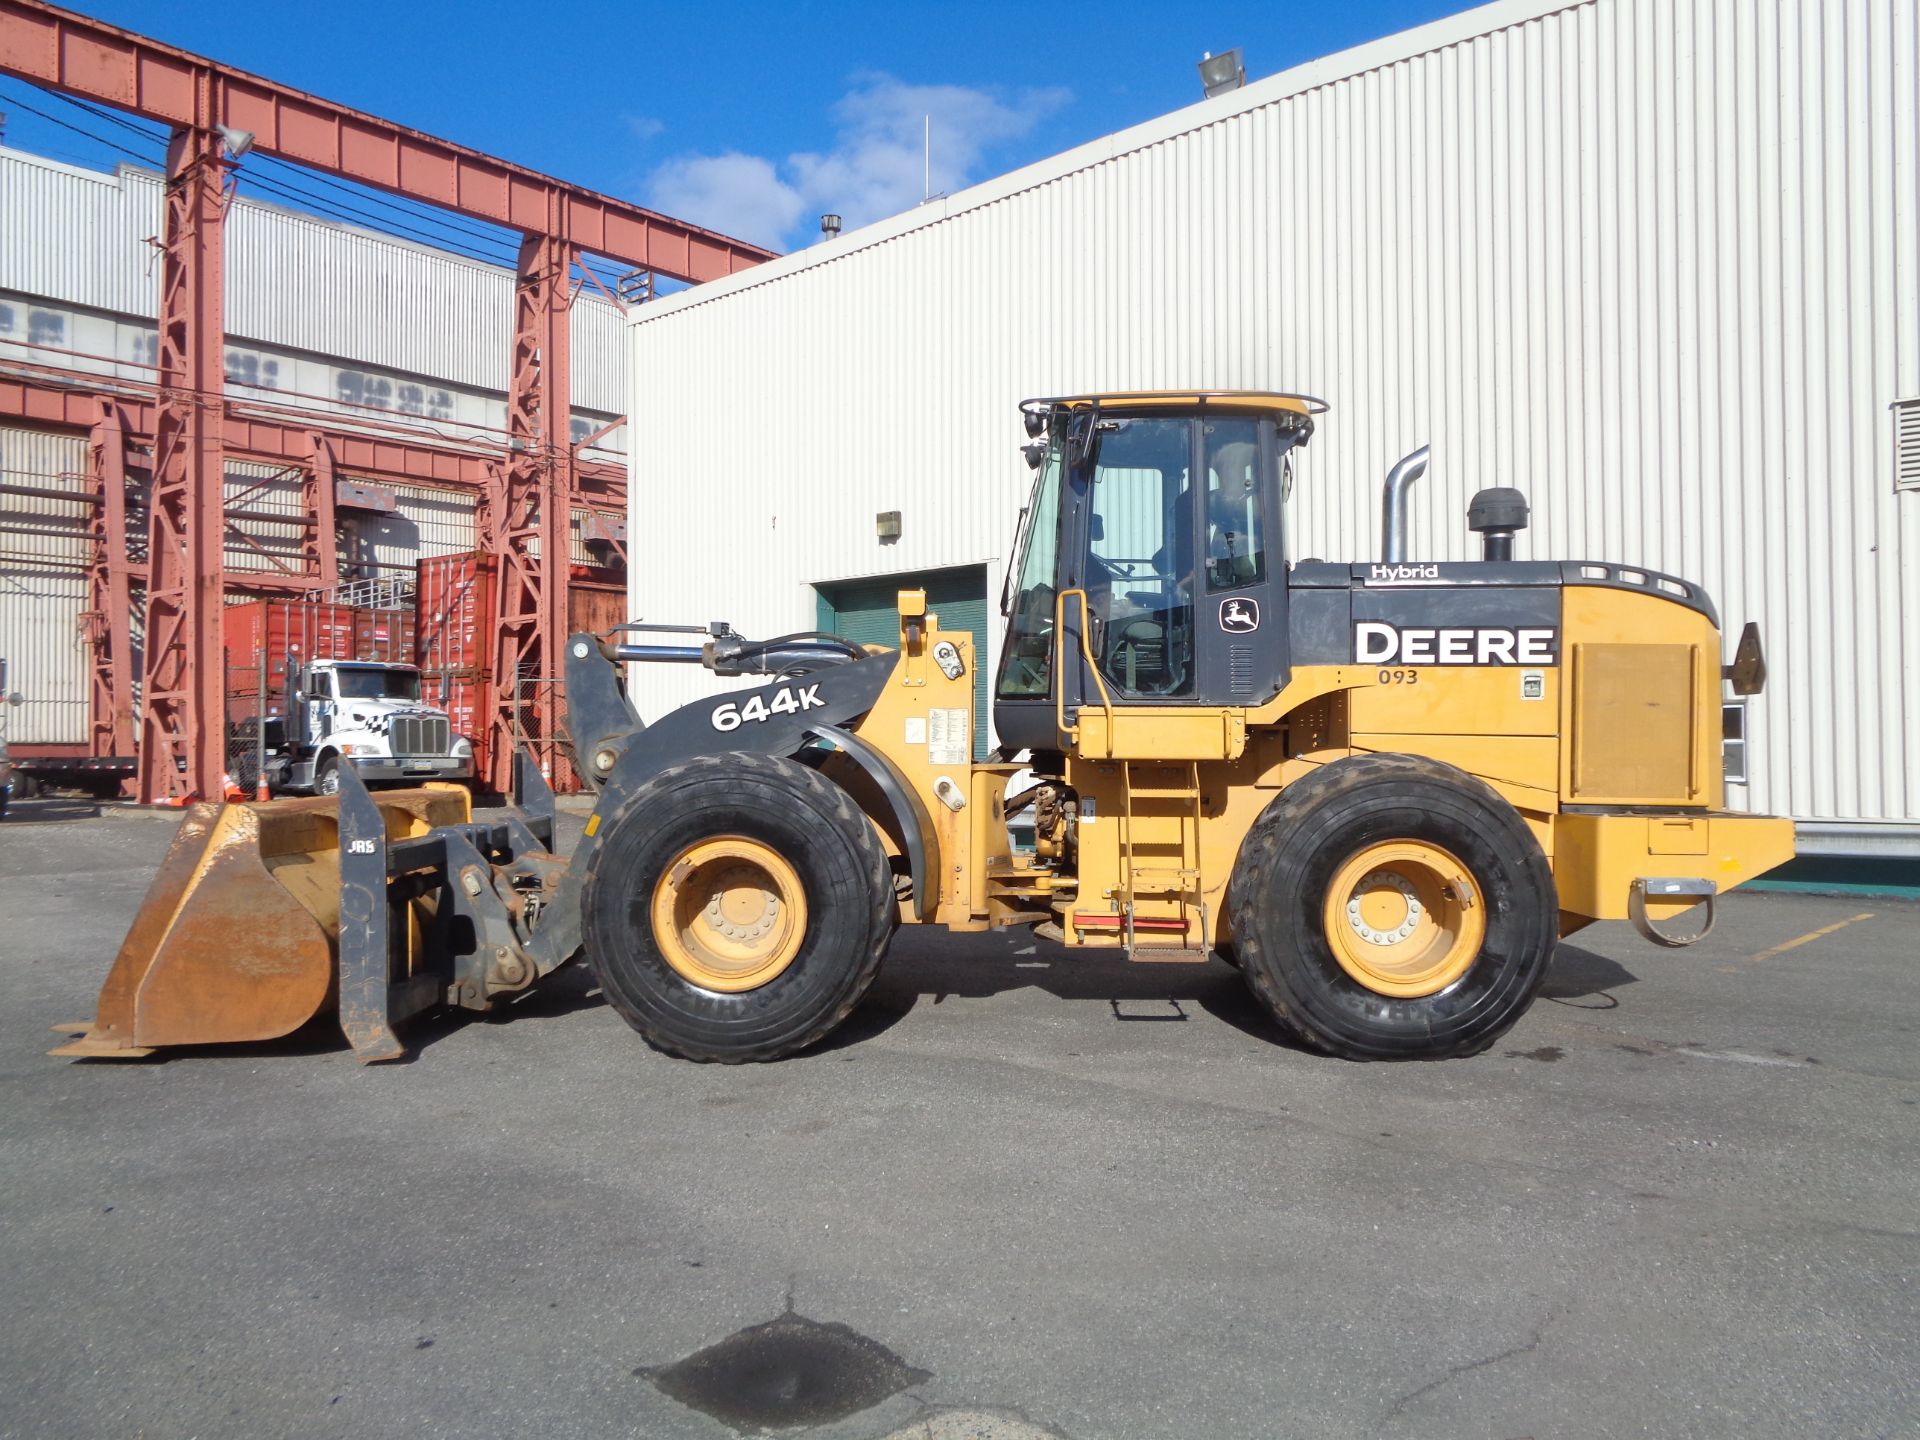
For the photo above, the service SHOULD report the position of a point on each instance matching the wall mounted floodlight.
(1223, 72)
(886, 525)
(829, 225)
(238, 142)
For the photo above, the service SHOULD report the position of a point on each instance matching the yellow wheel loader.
(1383, 791)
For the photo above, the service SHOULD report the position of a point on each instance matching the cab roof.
(1255, 400)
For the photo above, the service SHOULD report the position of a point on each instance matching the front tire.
(1394, 907)
(326, 780)
(737, 908)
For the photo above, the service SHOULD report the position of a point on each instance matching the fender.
(916, 826)
(633, 756)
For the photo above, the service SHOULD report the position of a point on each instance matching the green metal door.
(866, 611)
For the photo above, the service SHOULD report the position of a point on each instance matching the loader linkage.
(489, 884)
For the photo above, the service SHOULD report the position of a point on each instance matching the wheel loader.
(1383, 791)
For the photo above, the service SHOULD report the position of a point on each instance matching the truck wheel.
(326, 780)
(1393, 907)
(737, 908)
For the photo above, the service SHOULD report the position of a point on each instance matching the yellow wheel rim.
(729, 914)
(1405, 918)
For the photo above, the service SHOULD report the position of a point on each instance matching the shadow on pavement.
(1584, 980)
(934, 967)
(49, 812)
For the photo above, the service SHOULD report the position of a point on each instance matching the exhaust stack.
(1393, 505)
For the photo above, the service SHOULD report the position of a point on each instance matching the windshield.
(376, 682)
(1027, 667)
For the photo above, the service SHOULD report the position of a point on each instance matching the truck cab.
(369, 712)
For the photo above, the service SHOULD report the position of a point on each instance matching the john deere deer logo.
(1239, 617)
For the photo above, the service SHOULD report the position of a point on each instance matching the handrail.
(1086, 651)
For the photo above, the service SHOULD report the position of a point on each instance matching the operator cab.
(1152, 552)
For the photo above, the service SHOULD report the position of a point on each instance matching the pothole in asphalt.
(788, 1372)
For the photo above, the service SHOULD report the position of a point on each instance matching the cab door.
(1175, 532)
(1240, 590)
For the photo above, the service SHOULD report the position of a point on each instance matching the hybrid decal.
(1377, 643)
(787, 700)
(1402, 574)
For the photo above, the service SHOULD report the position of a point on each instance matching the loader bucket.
(238, 936)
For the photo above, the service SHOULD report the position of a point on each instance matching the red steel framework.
(527, 489)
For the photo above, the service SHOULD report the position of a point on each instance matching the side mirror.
(1083, 438)
(1748, 672)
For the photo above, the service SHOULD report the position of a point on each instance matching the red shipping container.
(300, 630)
(595, 609)
(468, 701)
(454, 601)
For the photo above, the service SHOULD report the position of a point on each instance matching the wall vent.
(1906, 444)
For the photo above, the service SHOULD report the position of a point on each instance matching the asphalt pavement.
(1021, 1194)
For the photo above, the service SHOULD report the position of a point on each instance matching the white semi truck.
(366, 712)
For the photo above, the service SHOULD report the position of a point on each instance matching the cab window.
(1027, 667)
(1236, 551)
(1141, 556)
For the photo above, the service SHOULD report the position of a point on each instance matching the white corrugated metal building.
(1656, 262)
(321, 315)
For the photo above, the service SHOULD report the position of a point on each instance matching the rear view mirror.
(1083, 438)
(1748, 672)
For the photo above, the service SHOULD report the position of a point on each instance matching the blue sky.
(752, 119)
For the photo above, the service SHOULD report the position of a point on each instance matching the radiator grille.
(420, 734)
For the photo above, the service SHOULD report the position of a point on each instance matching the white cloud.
(738, 195)
(874, 169)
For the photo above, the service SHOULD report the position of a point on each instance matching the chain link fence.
(539, 727)
(246, 724)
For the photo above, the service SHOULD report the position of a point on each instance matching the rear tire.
(1393, 907)
(737, 908)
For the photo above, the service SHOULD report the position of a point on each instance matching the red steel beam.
(323, 535)
(183, 693)
(43, 399)
(533, 524)
(78, 55)
(110, 621)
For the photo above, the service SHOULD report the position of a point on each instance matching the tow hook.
(1667, 888)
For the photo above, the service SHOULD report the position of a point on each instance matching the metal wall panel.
(1657, 262)
(427, 523)
(44, 547)
(256, 539)
(77, 235)
(73, 236)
